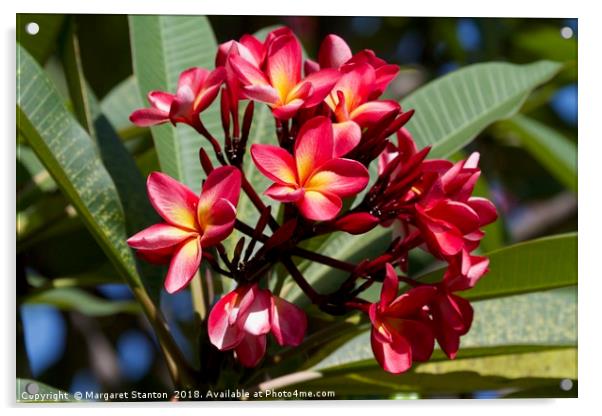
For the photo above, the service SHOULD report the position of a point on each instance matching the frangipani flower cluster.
(331, 127)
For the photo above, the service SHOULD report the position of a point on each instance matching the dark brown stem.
(314, 296)
(200, 128)
(320, 258)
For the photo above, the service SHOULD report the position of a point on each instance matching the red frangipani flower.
(192, 222)
(315, 178)
(400, 334)
(242, 319)
(280, 84)
(197, 88)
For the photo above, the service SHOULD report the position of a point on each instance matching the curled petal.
(251, 350)
(319, 206)
(357, 223)
(389, 287)
(310, 67)
(356, 85)
(256, 318)
(372, 112)
(160, 100)
(248, 73)
(322, 83)
(221, 332)
(275, 163)
(343, 177)
(284, 64)
(334, 52)
(218, 223)
(485, 210)
(159, 236)
(288, 322)
(313, 146)
(184, 264)
(263, 93)
(189, 86)
(284, 193)
(222, 183)
(146, 117)
(459, 214)
(384, 75)
(210, 89)
(255, 48)
(394, 357)
(285, 112)
(347, 136)
(174, 201)
(411, 302)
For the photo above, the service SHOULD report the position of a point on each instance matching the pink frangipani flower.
(400, 334)
(197, 88)
(242, 319)
(192, 222)
(314, 179)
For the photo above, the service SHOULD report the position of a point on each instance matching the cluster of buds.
(330, 126)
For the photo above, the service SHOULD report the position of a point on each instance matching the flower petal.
(411, 302)
(319, 206)
(334, 52)
(221, 333)
(209, 89)
(343, 177)
(256, 318)
(322, 83)
(288, 322)
(389, 287)
(275, 163)
(420, 338)
(251, 350)
(372, 112)
(484, 208)
(184, 264)
(394, 357)
(222, 183)
(285, 112)
(159, 236)
(357, 223)
(347, 136)
(262, 93)
(284, 193)
(218, 224)
(284, 64)
(248, 73)
(160, 100)
(174, 201)
(356, 85)
(146, 117)
(313, 146)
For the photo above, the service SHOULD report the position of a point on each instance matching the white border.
(590, 139)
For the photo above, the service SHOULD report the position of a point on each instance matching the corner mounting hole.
(32, 28)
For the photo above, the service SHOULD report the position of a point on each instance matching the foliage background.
(94, 338)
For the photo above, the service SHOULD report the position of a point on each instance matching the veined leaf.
(453, 109)
(120, 102)
(541, 264)
(556, 152)
(69, 155)
(71, 158)
(163, 47)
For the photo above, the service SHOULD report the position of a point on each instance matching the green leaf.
(71, 158)
(553, 150)
(453, 109)
(541, 264)
(512, 371)
(69, 155)
(73, 299)
(26, 389)
(542, 320)
(163, 47)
